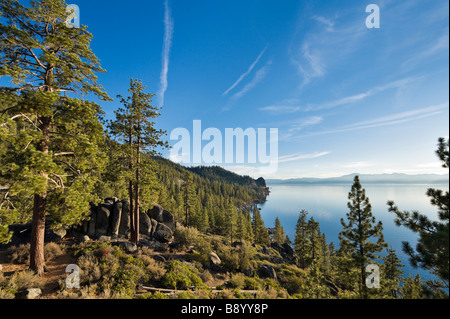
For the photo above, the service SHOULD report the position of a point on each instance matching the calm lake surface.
(328, 204)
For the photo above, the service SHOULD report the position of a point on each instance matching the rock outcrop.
(112, 218)
(109, 220)
(286, 251)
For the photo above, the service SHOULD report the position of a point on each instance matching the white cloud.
(286, 106)
(328, 23)
(278, 109)
(250, 69)
(393, 119)
(439, 45)
(300, 124)
(399, 117)
(361, 96)
(298, 157)
(309, 64)
(168, 35)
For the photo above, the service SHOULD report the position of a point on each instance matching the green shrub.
(237, 259)
(252, 283)
(203, 251)
(229, 258)
(96, 248)
(186, 295)
(186, 236)
(111, 268)
(237, 281)
(5, 294)
(154, 295)
(181, 276)
(18, 282)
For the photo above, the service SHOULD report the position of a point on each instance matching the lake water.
(328, 204)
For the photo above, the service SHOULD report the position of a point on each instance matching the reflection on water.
(328, 204)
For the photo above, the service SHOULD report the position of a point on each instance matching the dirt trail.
(49, 282)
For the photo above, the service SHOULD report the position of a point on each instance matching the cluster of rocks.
(287, 254)
(286, 251)
(109, 221)
(112, 219)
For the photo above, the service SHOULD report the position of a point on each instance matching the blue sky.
(344, 98)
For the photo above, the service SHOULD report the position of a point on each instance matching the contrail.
(246, 73)
(168, 34)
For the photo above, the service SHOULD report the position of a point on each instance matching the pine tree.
(301, 242)
(249, 236)
(432, 250)
(241, 226)
(259, 230)
(325, 258)
(54, 138)
(391, 273)
(134, 125)
(231, 223)
(314, 236)
(355, 239)
(412, 288)
(189, 197)
(279, 235)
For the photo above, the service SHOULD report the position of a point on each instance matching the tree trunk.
(37, 261)
(130, 187)
(131, 195)
(137, 190)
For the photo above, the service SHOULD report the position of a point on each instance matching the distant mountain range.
(369, 179)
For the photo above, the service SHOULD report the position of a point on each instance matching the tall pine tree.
(189, 197)
(54, 138)
(135, 126)
(279, 235)
(301, 242)
(361, 237)
(259, 230)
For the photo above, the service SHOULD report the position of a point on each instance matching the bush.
(186, 236)
(252, 283)
(237, 260)
(5, 289)
(90, 271)
(19, 254)
(111, 269)
(4, 294)
(52, 250)
(203, 251)
(155, 295)
(181, 276)
(18, 282)
(237, 281)
(229, 258)
(186, 295)
(155, 269)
